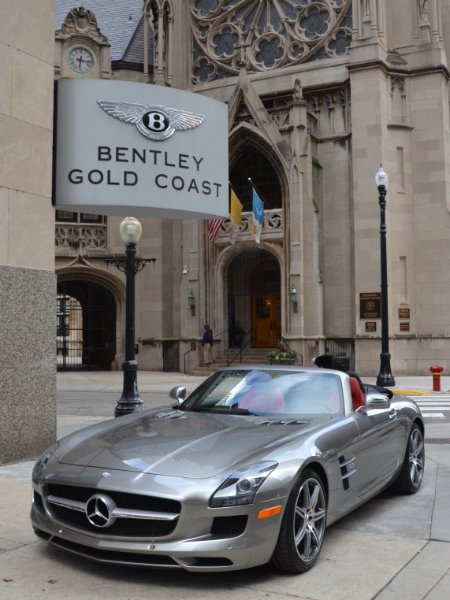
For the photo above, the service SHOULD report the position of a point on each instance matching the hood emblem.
(106, 474)
(100, 510)
(153, 121)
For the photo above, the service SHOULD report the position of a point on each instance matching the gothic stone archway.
(254, 306)
(86, 326)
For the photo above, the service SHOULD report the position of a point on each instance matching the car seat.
(357, 394)
(263, 398)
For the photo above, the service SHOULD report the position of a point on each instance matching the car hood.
(183, 444)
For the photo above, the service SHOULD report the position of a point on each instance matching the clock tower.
(81, 49)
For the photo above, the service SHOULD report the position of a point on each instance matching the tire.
(411, 474)
(303, 526)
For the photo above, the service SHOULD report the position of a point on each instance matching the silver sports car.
(248, 469)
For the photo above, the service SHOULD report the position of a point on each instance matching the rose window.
(265, 34)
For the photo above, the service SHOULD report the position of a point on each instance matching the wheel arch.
(319, 468)
(418, 421)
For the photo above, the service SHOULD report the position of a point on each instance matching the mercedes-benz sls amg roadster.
(248, 469)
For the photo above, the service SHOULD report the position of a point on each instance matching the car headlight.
(42, 461)
(241, 486)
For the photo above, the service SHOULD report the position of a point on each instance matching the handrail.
(217, 335)
(285, 343)
(287, 348)
(241, 347)
(195, 348)
(185, 354)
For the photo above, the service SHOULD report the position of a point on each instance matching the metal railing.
(194, 348)
(246, 342)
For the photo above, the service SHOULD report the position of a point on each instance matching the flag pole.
(255, 188)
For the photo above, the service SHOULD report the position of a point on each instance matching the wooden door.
(266, 320)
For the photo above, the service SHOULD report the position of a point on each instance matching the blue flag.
(258, 217)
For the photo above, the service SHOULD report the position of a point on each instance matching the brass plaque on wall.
(371, 326)
(370, 305)
(404, 313)
(404, 326)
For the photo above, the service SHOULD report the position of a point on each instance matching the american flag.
(214, 226)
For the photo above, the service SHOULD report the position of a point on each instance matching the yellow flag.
(236, 207)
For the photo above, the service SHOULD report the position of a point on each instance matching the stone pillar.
(27, 232)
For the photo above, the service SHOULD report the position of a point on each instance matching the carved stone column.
(295, 212)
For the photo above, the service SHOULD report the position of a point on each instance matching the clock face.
(81, 60)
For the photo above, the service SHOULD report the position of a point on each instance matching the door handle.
(393, 413)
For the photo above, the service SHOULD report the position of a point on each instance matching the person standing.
(207, 340)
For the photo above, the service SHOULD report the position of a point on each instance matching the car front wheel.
(303, 526)
(411, 474)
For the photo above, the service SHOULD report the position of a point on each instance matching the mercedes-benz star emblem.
(152, 120)
(99, 510)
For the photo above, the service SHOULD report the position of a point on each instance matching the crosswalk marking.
(433, 407)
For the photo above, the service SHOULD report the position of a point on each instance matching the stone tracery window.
(265, 34)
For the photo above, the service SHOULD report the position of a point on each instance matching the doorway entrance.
(254, 300)
(266, 320)
(86, 325)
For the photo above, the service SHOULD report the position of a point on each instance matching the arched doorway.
(254, 275)
(86, 326)
(254, 300)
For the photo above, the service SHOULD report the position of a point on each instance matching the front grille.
(228, 527)
(123, 526)
(122, 499)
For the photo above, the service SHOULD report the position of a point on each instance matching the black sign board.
(370, 305)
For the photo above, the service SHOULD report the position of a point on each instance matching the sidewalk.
(392, 548)
(112, 381)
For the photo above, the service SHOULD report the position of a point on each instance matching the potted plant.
(282, 357)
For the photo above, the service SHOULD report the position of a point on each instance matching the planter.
(282, 361)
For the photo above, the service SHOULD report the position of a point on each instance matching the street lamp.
(130, 401)
(385, 377)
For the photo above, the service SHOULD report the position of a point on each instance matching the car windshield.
(269, 392)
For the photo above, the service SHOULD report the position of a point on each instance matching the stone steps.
(250, 356)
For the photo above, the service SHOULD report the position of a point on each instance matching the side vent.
(347, 470)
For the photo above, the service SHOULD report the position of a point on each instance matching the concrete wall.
(27, 282)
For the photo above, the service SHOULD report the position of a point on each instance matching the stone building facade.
(27, 278)
(320, 93)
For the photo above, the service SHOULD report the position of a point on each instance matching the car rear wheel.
(411, 474)
(303, 526)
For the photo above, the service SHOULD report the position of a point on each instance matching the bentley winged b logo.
(152, 120)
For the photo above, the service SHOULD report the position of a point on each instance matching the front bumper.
(202, 539)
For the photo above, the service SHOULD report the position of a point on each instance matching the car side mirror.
(178, 393)
(377, 401)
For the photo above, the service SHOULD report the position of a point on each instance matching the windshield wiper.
(241, 411)
(223, 409)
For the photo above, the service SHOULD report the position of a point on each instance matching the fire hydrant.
(436, 372)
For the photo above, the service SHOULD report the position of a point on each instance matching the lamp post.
(385, 377)
(130, 401)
